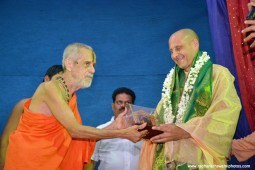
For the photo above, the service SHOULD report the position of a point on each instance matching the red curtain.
(244, 57)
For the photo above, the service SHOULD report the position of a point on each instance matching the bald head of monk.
(184, 45)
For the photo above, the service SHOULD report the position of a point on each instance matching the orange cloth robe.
(41, 142)
(244, 148)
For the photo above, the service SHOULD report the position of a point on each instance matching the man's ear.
(112, 106)
(68, 64)
(196, 43)
(46, 78)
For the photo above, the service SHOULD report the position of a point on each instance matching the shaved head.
(187, 34)
(184, 45)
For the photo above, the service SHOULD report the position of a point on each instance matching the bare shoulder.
(52, 88)
(19, 106)
(46, 89)
(21, 102)
(45, 92)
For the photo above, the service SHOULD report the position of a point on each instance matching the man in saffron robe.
(16, 113)
(50, 135)
(198, 111)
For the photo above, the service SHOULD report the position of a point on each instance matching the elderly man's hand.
(171, 132)
(133, 134)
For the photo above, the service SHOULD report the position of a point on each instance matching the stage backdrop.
(130, 39)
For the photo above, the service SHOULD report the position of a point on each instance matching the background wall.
(130, 39)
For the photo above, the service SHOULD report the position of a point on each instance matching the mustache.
(122, 109)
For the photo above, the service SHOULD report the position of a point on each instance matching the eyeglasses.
(119, 102)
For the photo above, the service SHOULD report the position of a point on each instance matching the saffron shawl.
(41, 142)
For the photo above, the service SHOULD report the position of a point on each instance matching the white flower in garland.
(188, 86)
(167, 105)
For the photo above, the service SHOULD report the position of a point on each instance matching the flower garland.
(188, 86)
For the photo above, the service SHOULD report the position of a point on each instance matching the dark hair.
(123, 90)
(53, 70)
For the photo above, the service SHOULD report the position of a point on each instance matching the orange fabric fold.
(244, 148)
(148, 149)
(41, 142)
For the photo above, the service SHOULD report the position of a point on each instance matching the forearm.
(184, 134)
(111, 126)
(86, 132)
(10, 127)
(180, 133)
(244, 148)
(4, 144)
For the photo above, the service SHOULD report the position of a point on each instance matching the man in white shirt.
(117, 154)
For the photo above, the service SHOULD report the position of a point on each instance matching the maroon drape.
(244, 57)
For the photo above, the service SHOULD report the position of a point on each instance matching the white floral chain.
(189, 84)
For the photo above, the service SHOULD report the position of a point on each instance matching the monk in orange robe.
(46, 143)
(16, 113)
(50, 134)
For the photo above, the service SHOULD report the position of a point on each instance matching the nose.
(92, 69)
(123, 104)
(174, 54)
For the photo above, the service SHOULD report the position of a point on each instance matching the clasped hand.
(171, 132)
(131, 132)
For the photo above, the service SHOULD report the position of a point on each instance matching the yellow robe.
(211, 134)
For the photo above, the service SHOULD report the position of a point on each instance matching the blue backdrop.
(130, 39)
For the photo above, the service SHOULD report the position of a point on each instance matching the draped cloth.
(221, 14)
(244, 57)
(41, 142)
(199, 97)
(244, 148)
(211, 134)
